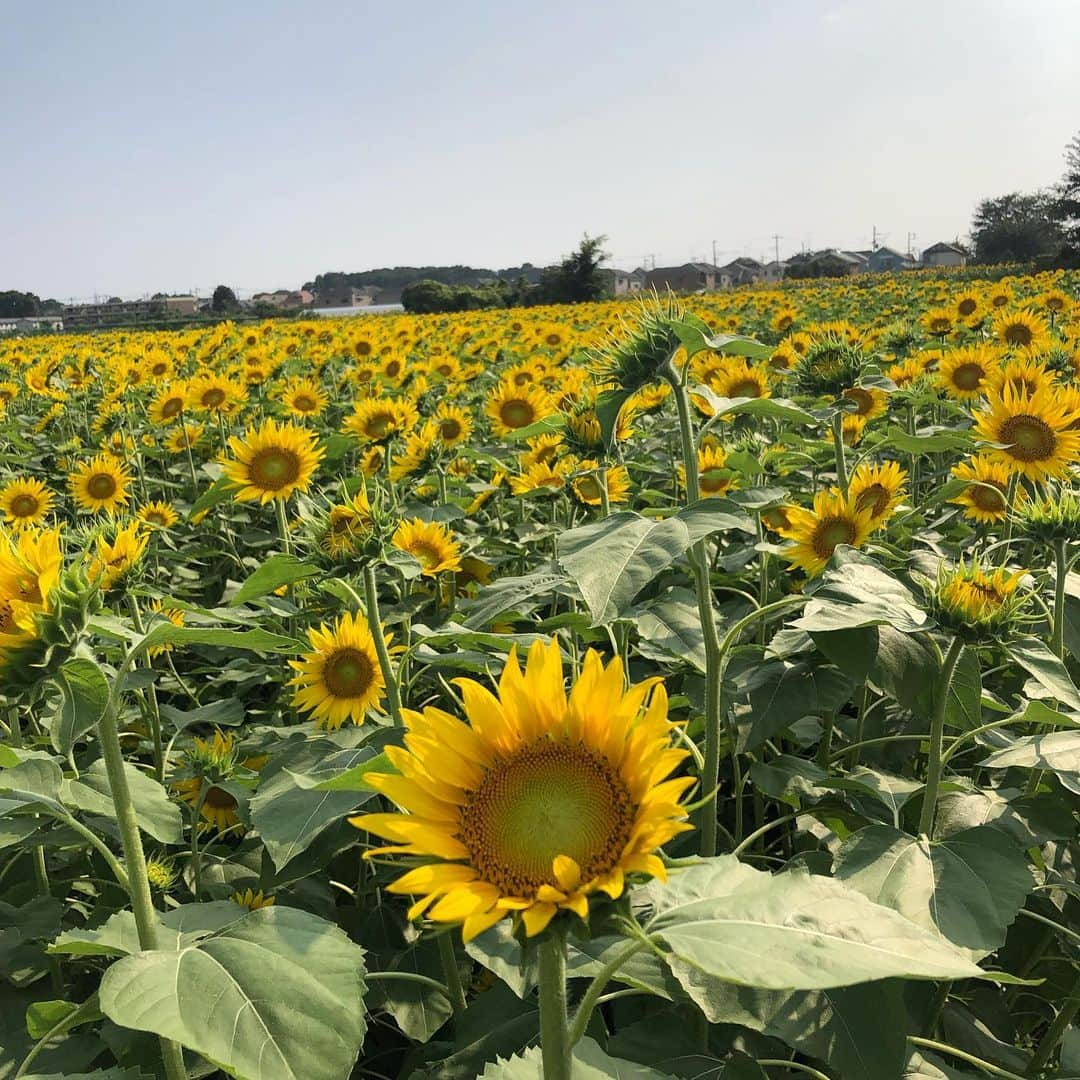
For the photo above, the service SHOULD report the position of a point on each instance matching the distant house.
(284, 298)
(775, 271)
(885, 260)
(181, 305)
(942, 254)
(622, 282)
(690, 277)
(28, 324)
(859, 261)
(743, 271)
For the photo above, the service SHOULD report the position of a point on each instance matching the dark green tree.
(224, 299)
(577, 279)
(15, 304)
(1018, 227)
(1067, 205)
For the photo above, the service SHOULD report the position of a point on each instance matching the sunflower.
(252, 900)
(975, 603)
(512, 407)
(347, 523)
(1033, 431)
(272, 461)
(714, 476)
(340, 679)
(783, 359)
(29, 570)
(419, 453)
(852, 427)
(117, 558)
(543, 450)
(968, 307)
(158, 515)
(985, 499)
(184, 437)
(879, 489)
(539, 801)
(817, 533)
(100, 484)
(542, 475)
(586, 486)
(938, 321)
(736, 378)
(169, 405)
(870, 401)
(1022, 330)
(25, 502)
(454, 424)
(304, 397)
(1022, 373)
(210, 762)
(784, 319)
(965, 373)
(430, 543)
(907, 373)
(214, 393)
(171, 614)
(377, 419)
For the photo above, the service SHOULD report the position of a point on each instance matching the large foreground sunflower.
(1033, 432)
(340, 679)
(272, 461)
(100, 484)
(538, 801)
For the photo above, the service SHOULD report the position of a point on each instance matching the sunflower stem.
(838, 450)
(1061, 566)
(41, 877)
(937, 737)
(142, 903)
(1010, 501)
(283, 525)
(190, 458)
(596, 989)
(448, 956)
(703, 587)
(554, 1031)
(601, 482)
(155, 709)
(1056, 1031)
(371, 597)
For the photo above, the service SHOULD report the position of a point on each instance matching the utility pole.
(714, 253)
(873, 245)
(776, 238)
(910, 238)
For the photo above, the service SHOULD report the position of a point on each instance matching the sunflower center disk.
(548, 799)
(101, 486)
(968, 377)
(830, 534)
(1028, 438)
(875, 498)
(24, 506)
(219, 799)
(517, 414)
(274, 468)
(990, 499)
(348, 673)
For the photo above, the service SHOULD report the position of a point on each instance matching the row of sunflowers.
(657, 688)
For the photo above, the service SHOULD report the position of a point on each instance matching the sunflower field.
(648, 689)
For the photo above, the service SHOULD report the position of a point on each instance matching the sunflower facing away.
(976, 602)
(537, 801)
(29, 570)
(100, 484)
(25, 502)
(430, 543)
(340, 679)
(272, 461)
(817, 533)
(208, 763)
(1034, 432)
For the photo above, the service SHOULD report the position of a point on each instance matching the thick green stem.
(15, 727)
(1056, 1031)
(371, 597)
(937, 738)
(151, 692)
(283, 525)
(838, 450)
(41, 877)
(1061, 567)
(142, 903)
(596, 989)
(601, 483)
(448, 956)
(554, 1031)
(1010, 502)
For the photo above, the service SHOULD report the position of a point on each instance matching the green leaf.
(608, 406)
(261, 641)
(1046, 669)
(507, 593)
(613, 559)
(278, 995)
(670, 629)
(590, 1063)
(494, 1023)
(793, 931)
(278, 570)
(43, 1016)
(84, 696)
(1028, 820)
(783, 693)
(1059, 752)
(353, 779)
(36, 781)
(218, 492)
(925, 1066)
(224, 712)
(775, 408)
(290, 816)
(964, 707)
(157, 815)
(708, 516)
(841, 1026)
(929, 440)
(114, 1073)
(117, 936)
(967, 889)
(549, 425)
(501, 952)
(852, 651)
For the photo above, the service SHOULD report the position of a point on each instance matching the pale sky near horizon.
(260, 144)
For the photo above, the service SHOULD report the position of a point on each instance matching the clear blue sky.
(149, 147)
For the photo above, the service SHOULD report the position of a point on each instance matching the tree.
(224, 299)
(16, 305)
(1067, 204)
(577, 279)
(1018, 227)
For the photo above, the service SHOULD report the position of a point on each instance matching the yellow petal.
(567, 873)
(537, 917)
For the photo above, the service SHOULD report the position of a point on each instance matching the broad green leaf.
(608, 406)
(929, 440)
(792, 931)
(790, 779)
(776, 408)
(114, 1073)
(893, 791)
(922, 1065)
(289, 817)
(218, 492)
(501, 952)
(278, 570)
(783, 693)
(43, 1016)
(967, 888)
(590, 1063)
(418, 1010)
(613, 559)
(84, 695)
(670, 628)
(495, 1024)
(964, 707)
(278, 995)
(1059, 752)
(708, 516)
(353, 779)
(852, 651)
(224, 712)
(156, 814)
(507, 593)
(586, 959)
(1029, 820)
(1046, 669)
(841, 1026)
(36, 781)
